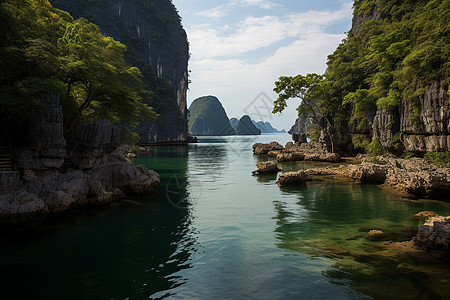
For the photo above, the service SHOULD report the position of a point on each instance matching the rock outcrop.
(246, 127)
(42, 132)
(429, 132)
(208, 117)
(413, 177)
(157, 45)
(312, 151)
(91, 168)
(262, 149)
(434, 236)
(266, 167)
(360, 18)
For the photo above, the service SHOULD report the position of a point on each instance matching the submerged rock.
(424, 215)
(375, 235)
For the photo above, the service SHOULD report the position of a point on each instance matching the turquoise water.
(215, 231)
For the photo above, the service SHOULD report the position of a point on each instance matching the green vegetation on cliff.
(44, 50)
(156, 43)
(395, 50)
(208, 117)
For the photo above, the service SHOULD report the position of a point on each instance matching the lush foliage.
(160, 19)
(43, 50)
(393, 57)
(441, 159)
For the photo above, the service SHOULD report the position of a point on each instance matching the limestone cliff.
(157, 45)
(429, 132)
(56, 172)
(395, 119)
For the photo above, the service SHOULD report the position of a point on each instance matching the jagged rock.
(375, 235)
(289, 145)
(274, 153)
(329, 157)
(131, 155)
(359, 19)
(44, 137)
(56, 192)
(434, 235)
(292, 177)
(425, 215)
(300, 125)
(414, 176)
(299, 138)
(100, 135)
(385, 126)
(287, 157)
(263, 149)
(430, 131)
(266, 168)
(128, 178)
(95, 144)
(308, 148)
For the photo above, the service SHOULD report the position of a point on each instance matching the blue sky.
(240, 47)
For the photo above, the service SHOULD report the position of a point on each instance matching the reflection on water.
(331, 220)
(214, 231)
(132, 250)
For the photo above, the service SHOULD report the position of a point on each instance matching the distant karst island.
(208, 117)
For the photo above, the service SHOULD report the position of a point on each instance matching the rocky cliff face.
(430, 131)
(57, 173)
(424, 126)
(360, 18)
(157, 44)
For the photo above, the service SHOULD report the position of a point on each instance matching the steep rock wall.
(157, 44)
(58, 173)
(430, 132)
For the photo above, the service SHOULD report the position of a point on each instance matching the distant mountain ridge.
(266, 127)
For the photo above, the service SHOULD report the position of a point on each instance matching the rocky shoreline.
(57, 172)
(411, 178)
(42, 193)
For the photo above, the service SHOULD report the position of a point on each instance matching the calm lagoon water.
(215, 231)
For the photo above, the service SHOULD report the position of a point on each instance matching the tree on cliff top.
(44, 50)
(394, 57)
(311, 92)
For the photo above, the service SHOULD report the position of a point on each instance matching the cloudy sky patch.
(239, 48)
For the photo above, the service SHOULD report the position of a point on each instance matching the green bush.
(441, 159)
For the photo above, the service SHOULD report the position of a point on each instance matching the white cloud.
(224, 9)
(216, 12)
(220, 61)
(255, 33)
(259, 3)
